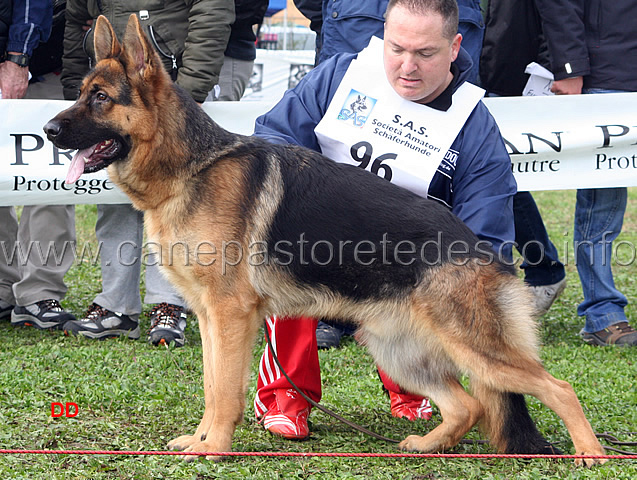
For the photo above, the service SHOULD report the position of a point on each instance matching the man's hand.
(14, 80)
(568, 86)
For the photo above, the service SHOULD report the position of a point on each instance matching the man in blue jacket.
(420, 60)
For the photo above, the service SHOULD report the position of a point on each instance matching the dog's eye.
(101, 96)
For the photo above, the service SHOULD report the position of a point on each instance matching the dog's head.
(359, 104)
(114, 109)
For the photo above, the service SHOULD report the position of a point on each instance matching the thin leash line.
(312, 454)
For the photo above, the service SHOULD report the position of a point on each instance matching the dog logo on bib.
(356, 108)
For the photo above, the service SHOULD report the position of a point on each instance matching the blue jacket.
(478, 186)
(30, 25)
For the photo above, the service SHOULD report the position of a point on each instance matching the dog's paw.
(203, 447)
(591, 462)
(183, 442)
(413, 443)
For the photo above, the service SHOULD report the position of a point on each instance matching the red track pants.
(294, 342)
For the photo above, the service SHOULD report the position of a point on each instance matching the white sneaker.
(545, 295)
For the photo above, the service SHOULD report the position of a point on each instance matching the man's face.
(417, 56)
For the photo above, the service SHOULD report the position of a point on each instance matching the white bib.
(367, 124)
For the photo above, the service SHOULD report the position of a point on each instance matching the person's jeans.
(541, 263)
(599, 215)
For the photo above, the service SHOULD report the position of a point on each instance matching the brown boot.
(621, 334)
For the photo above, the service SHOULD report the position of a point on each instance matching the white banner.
(559, 142)
(570, 141)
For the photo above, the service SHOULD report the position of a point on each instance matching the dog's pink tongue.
(77, 165)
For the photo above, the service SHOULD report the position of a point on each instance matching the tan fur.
(471, 319)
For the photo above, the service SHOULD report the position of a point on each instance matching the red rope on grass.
(312, 454)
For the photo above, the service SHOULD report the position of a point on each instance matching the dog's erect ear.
(140, 57)
(105, 41)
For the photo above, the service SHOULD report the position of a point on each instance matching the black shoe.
(5, 309)
(328, 336)
(167, 324)
(101, 323)
(44, 314)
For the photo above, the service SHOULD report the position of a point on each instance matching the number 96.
(362, 153)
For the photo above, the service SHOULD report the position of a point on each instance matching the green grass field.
(132, 396)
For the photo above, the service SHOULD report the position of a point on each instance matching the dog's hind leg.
(486, 328)
(560, 397)
(231, 329)
(556, 394)
(460, 412)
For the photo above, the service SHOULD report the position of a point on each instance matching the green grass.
(132, 396)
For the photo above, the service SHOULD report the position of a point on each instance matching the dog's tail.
(508, 424)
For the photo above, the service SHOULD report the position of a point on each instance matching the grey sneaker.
(545, 295)
(167, 324)
(5, 309)
(44, 314)
(101, 323)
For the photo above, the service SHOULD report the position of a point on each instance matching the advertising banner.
(555, 143)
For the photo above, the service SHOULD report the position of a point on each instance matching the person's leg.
(283, 410)
(599, 215)
(9, 259)
(119, 230)
(115, 311)
(234, 78)
(158, 288)
(404, 404)
(543, 271)
(541, 261)
(51, 228)
(47, 234)
(168, 315)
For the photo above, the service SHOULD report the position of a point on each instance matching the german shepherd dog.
(325, 240)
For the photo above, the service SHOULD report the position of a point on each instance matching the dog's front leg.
(227, 338)
(185, 441)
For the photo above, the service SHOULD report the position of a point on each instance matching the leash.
(613, 440)
(606, 435)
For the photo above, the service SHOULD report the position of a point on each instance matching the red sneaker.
(411, 407)
(288, 416)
